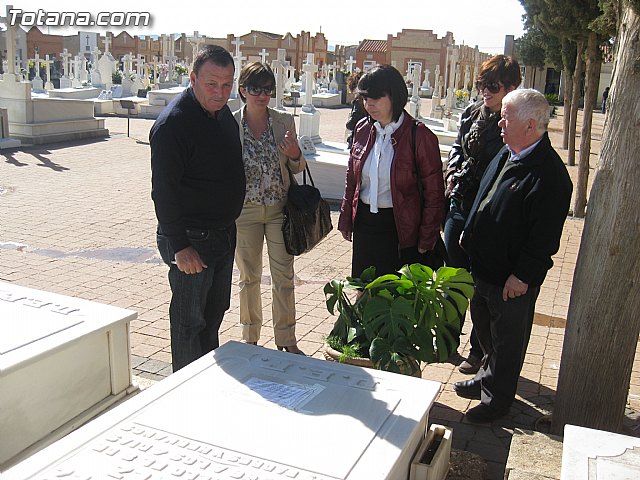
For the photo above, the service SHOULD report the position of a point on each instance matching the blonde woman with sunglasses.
(269, 150)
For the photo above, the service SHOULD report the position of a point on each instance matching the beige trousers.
(257, 222)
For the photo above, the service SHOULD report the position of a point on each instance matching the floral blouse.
(262, 168)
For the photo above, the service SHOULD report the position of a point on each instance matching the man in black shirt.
(198, 188)
(513, 230)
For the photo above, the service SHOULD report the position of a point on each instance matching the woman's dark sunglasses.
(493, 87)
(255, 91)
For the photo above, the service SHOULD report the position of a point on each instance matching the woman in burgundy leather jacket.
(389, 218)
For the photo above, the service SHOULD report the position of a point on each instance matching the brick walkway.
(77, 219)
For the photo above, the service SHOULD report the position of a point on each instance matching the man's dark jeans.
(199, 301)
(503, 329)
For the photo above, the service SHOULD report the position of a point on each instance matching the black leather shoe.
(484, 414)
(468, 389)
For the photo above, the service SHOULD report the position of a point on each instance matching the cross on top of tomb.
(263, 56)
(350, 63)
(107, 43)
(237, 42)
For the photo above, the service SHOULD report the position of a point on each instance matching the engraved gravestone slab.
(590, 454)
(62, 360)
(44, 318)
(250, 412)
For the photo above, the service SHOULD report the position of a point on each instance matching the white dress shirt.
(376, 174)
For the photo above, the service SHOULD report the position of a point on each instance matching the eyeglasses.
(493, 87)
(255, 91)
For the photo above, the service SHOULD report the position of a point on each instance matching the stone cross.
(476, 61)
(75, 81)
(36, 60)
(126, 62)
(350, 63)
(436, 82)
(279, 69)
(139, 64)
(66, 64)
(416, 76)
(171, 58)
(107, 43)
(263, 56)
(145, 78)
(37, 84)
(195, 42)
(47, 72)
(154, 66)
(467, 77)
(84, 74)
(10, 39)
(255, 39)
(309, 68)
(94, 56)
(238, 58)
(426, 84)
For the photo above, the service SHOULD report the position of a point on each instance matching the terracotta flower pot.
(334, 356)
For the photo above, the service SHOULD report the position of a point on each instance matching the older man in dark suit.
(512, 232)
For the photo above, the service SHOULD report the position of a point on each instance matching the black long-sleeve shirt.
(197, 174)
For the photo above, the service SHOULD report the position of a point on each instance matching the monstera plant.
(398, 321)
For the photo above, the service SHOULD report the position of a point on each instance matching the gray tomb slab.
(250, 412)
(62, 361)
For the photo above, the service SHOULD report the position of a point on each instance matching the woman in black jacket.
(357, 108)
(478, 142)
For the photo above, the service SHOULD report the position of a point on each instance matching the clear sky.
(473, 22)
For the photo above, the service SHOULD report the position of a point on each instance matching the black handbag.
(307, 216)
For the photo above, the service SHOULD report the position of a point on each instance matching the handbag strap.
(414, 128)
(305, 172)
(304, 176)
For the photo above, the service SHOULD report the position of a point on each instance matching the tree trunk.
(568, 92)
(594, 62)
(603, 322)
(575, 102)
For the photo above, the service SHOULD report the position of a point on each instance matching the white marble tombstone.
(62, 361)
(48, 85)
(594, 454)
(65, 80)
(414, 104)
(75, 80)
(37, 83)
(195, 42)
(84, 73)
(237, 58)
(224, 417)
(350, 63)
(106, 67)
(436, 110)
(309, 116)
(127, 84)
(279, 71)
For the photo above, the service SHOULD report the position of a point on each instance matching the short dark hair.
(255, 74)
(216, 54)
(385, 80)
(500, 68)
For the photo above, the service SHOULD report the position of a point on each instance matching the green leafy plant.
(398, 320)
(552, 98)
(116, 77)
